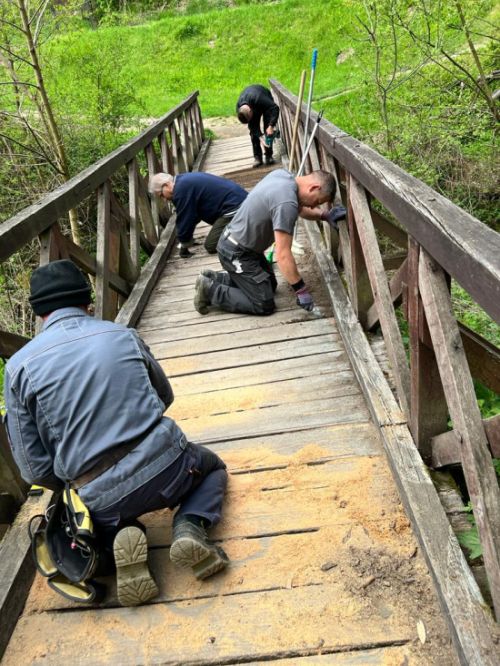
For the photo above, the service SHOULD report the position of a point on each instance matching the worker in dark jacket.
(196, 197)
(254, 103)
(85, 401)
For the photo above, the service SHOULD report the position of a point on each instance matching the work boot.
(209, 273)
(216, 276)
(270, 160)
(191, 548)
(134, 583)
(257, 163)
(184, 253)
(201, 298)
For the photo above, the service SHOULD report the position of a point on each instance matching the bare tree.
(425, 29)
(19, 54)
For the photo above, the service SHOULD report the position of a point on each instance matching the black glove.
(333, 215)
(304, 299)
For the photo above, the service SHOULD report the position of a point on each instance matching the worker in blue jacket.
(199, 196)
(85, 403)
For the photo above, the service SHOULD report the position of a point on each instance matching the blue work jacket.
(81, 387)
(202, 196)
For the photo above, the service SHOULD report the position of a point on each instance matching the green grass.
(218, 52)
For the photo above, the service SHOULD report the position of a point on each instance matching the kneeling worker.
(198, 196)
(268, 215)
(85, 401)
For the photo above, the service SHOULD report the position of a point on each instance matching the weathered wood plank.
(16, 566)
(132, 309)
(396, 289)
(471, 627)
(381, 293)
(10, 343)
(464, 412)
(133, 211)
(446, 447)
(252, 355)
(234, 622)
(428, 408)
(10, 479)
(483, 358)
(305, 330)
(274, 419)
(102, 291)
(249, 375)
(285, 392)
(311, 447)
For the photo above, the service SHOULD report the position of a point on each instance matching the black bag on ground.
(65, 548)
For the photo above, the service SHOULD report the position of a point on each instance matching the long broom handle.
(297, 118)
(309, 101)
(304, 157)
(309, 143)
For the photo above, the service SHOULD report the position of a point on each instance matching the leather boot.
(191, 548)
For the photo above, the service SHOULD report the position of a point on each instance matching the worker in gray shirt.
(267, 215)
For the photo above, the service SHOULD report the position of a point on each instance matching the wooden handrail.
(434, 382)
(31, 221)
(468, 250)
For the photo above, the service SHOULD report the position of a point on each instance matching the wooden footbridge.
(342, 550)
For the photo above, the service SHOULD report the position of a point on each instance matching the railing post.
(102, 302)
(361, 292)
(133, 209)
(155, 212)
(188, 149)
(428, 409)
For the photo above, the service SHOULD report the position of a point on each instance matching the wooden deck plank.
(236, 324)
(215, 631)
(252, 422)
(271, 351)
(289, 331)
(302, 497)
(253, 375)
(290, 392)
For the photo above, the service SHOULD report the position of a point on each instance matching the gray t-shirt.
(272, 204)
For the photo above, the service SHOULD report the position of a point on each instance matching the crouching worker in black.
(85, 401)
(196, 197)
(254, 103)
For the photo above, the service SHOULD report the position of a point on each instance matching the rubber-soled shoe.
(201, 299)
(256, 164)
(209, 273)
(270, 160)
(134, 583)
(191, 548)
(184, 253)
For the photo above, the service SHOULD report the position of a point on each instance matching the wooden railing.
(125, 224)
(434, 241)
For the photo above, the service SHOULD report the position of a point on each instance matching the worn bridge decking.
(324, 566)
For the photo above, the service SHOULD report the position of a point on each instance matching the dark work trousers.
(248, 286)
(256, 132)
(195, 482)
(214, 234)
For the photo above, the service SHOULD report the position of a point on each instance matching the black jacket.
(260, 100)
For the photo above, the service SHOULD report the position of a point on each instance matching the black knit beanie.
(58, 284)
